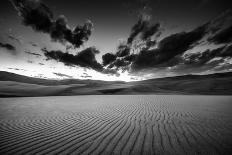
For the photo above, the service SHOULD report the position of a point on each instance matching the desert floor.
(129, 124)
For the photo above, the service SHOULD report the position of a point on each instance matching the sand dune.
(13, 85)
(141, 124)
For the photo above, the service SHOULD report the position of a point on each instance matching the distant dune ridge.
(13, 85)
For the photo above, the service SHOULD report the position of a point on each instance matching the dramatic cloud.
(34, 14)
(119, 63)
(38, 16)
(203, 57)
(224, 36)
(139, 38)
(123, 50)
(85, 58)
(208, 61)
(144, 28)
(147, 49)
(221, 22)
(108, 58)
(9, 47)
(136, 29)
(168, 48)
(142, 52)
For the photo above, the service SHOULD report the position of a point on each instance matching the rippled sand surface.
(129, 124)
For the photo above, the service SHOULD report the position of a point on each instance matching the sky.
(115, 39)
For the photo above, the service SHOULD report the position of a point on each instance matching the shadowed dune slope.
(126, 124)
(13, 85)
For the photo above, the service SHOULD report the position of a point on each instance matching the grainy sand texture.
(129, 124)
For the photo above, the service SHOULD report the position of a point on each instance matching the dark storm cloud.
(123, 63)
(223, 36)
(108, 58)
(213, 60)
(123, 50)
(32, 53)
(62, 32)
(223, 19)
(119, 63)
(226, 52)
(221, 28)
(136, 29)
(122, 57)
(168, 48)
(34, 14)
(204, 57)
(130, 58)
(144, 28)
(37, 15)
(85, 58)
(8, 47)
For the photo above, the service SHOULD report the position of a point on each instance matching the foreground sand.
(141, 124)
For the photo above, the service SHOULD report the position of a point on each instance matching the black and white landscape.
(106, 77)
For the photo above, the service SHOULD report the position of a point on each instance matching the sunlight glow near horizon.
(48, 70)
(74, 73)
